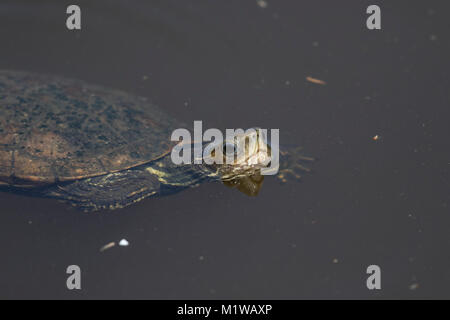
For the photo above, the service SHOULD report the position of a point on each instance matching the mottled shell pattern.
(54, 129)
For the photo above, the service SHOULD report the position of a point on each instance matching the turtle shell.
(55, 129)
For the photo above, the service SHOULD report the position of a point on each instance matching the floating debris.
(107, 246)
(262, 3)
(124, 243)
(316, 81)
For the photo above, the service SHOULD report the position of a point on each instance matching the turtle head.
(243, 156)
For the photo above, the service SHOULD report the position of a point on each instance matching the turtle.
(100, 148)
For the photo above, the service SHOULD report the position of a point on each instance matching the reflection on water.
(248, 185)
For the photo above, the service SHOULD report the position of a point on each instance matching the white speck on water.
(414, 286)
(124, 243)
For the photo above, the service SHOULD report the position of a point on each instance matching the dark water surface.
(234, 64)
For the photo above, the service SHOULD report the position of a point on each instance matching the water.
(234, 64)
